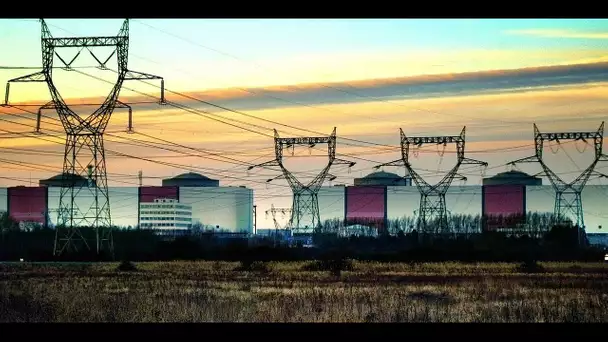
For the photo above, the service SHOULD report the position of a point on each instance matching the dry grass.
(285, 292)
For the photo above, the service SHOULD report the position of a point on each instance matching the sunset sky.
(368, 78)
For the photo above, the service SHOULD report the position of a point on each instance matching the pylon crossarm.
(275, 178)
(530, 159)
(48, 105)
(338, 161)
(39, 76)
(131, 75)
(470, 161)
(436, 140)
(120, 104)
(289, 142)
(398, 162)
(267, 164)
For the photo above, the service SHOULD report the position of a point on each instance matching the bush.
(530, 266)
(254, 266)
(334, 265)
(126, 266)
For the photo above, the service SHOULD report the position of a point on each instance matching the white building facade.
(166, 216)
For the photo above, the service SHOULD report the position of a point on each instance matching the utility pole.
(432, 211)
(255, 219)
(84, 148)
(305, 205)
(568, 200)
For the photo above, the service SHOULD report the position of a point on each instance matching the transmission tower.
(305, 205)
(568, 201)
(432, 211)
(84, 150)
(273, 212)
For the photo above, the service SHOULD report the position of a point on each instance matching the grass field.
(290, 292)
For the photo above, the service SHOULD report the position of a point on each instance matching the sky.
(368, 78)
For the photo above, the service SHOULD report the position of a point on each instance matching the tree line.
(538, 238)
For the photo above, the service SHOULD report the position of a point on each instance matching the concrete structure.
(191, 179)
(167, 216)
(224, 209)
(512, 178)
(382, 178)
(227, 209)
(230, 209)
(58, 180)
(366, 203)
(504, 199)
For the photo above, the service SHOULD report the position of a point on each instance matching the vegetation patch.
(126, 266)
(192, 291)
(254, 266)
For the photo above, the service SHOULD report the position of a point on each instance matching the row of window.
(155, 225)
(168, 206)
(165, 218)
(177, 212)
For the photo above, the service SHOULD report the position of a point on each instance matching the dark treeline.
(533, 224)
(399, 242)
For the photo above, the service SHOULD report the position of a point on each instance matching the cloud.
(559, 33)
(498, 107)
(378, 89)
(221, 80)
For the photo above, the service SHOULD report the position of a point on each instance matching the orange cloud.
(353, 87)
(494, 121)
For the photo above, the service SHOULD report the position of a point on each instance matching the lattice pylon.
(305, 213)
(84, 166)
(568, 195)
(432, 213)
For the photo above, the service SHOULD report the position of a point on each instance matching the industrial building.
(382, 178)
(197, 201)
(371, 201)
(374, 199)
(167, 216)
(366, 203)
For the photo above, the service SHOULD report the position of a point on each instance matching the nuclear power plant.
(193, 201)
(179, 204)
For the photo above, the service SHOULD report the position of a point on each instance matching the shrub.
(531, 266)
(334, 265)
(254, 266)
(126, 266)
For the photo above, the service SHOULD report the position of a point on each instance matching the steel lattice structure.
(84, 148)
(305, 206)
(273, 212)
(432, 211)
(568, 201)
